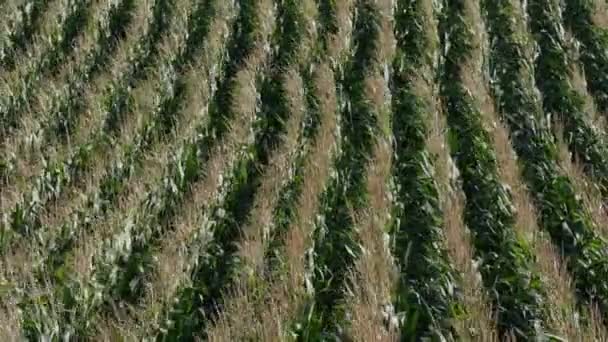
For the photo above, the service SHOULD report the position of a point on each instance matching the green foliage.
(562, 213)
(59, 47)
(426, 298)
(560, 98)
(506, 262)
(21, 31)
(594, 47)
(57, 175)
(335, 246)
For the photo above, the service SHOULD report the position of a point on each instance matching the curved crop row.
(59, 46)
(506, 261)
(194, 155)
(127, 247)
(68, 103)
(426, 294)
(578, 14)
(562, 213)
(286, 208)
(335, 247)
(272, 264)
(216, 266)
(160, 123)
(56, 176)
(20, 31)
(115, 99)
(560, 98)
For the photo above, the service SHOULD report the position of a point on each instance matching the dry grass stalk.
(10, 325)
(591, 197)
(374, 277)
(588, 191)
(284, 295)
(562, 315)
(579, 82)
(240, 302)
(30, 147)
(172, 267)
(49, 84)
(560, 291)
(600, 14)
(479, 322)
(88, 245)
(74, 200)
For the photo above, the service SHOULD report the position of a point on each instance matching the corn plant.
(578, 15)
(560, 98)
(335, 246)
(561, 211)
(59, 46)
(216, 265)
(506, 261)
(56, 175)
(128, 250)
(427, 294)
(20, 31)
(98, 203)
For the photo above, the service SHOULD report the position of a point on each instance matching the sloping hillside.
(303, 170)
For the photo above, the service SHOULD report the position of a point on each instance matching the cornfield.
(303, 170)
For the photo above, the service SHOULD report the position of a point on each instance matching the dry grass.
(563, 317)
(240, 302)
(374, 277)
(479, 322)
(9, 323)
(172, 267)
(600, 14)
(592, 201)
(578, 81)
(74, 198)
(156, 161)
(283, 295)
(31, 148)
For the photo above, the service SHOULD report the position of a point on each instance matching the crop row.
(279, 215)
(71, 22)
(559, 96)
(506, 261)
(57, 176)
(426, 296)
(578, 14)
(286, 206)
(117, 264)
(161, 121)
(116, 97)
(216, 268)
(561, 211)
(21, 31)
(335, 243)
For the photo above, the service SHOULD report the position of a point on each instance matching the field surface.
(303, 170)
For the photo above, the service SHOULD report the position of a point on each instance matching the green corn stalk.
(428, 287)
(560, 98)
(21, 32)
(594, 50)
(55, 176)
(562, 213)
(60, 46)
(335, 247)
(506, 261)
